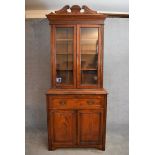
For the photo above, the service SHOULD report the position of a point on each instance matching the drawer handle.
(62, 102)
(90, 102)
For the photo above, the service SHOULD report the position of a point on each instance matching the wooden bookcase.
(76, 101)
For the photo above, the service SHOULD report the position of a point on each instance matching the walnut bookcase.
(76, 101)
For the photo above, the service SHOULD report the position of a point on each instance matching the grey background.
(116, 74)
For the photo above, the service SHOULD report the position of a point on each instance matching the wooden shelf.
(88, 39)
(81, 53)
(89, 53)
(64, 53)
(63, 84)
(87, 42)
(64, 69)
(89, 50)
(64, 39)
(88, 69)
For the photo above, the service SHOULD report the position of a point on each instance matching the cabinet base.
(102, 148)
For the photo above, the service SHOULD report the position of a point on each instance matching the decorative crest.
(75, 9)
(88, 10)
(76, 14)
(63, 10)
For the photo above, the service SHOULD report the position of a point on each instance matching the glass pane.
(64, 55)
(89, 55)
(89, 76)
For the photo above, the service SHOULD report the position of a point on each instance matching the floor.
(116, 143)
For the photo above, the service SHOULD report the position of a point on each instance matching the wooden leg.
(101, 148)
(51, 148)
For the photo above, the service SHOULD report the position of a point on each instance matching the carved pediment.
(63, 10)
(75, 9)
(76, 14)
(88, 10)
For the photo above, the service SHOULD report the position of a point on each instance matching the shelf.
(88, 69)
(89, 39)
(86, 50)
(86, 84)
(64, 84)
(64, 53)
(64, 69)
(89, 53)
(64, 39)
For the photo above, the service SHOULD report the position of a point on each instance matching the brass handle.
(62, 102)
(90, 102)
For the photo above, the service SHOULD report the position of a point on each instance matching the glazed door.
(89, 47)
(64, 52)
(62, 123)
(90, 126)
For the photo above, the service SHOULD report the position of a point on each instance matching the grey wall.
(115, 71)
(37, 71)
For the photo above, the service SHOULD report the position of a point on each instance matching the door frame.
(53, 56)
(79, 85)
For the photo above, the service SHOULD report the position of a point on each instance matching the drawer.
(61, 103)
(90, 103)
(75, 103)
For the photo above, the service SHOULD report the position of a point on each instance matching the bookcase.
(76, 101)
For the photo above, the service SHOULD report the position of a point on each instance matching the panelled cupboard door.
(64, 56)
(62, 124)
(89, 56)
(90, 126)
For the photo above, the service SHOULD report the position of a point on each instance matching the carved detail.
(88, 10)
(75, 9)
(63, 10)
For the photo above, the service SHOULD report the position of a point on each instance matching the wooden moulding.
(118, 15)
(75, 14)
(77, 91)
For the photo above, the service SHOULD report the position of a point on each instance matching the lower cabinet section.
(76, 127)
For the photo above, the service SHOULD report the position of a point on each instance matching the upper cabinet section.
(76, 47)
(76, 15)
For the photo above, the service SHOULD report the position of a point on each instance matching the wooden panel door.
(90, 127)
(89, 56)
(63, 127)
(64, 56)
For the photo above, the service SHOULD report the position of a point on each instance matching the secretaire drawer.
(75, 103)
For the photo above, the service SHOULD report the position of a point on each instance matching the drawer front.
(90, 103)
(62, 103)
(70, 102)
